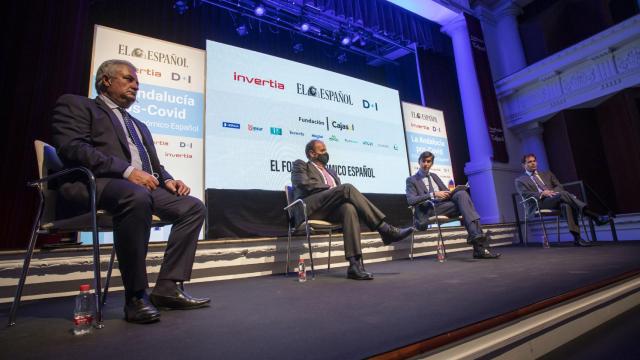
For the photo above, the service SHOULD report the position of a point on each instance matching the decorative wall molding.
(596, 67)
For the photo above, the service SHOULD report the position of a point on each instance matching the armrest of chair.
(46, 179)
(297, 202)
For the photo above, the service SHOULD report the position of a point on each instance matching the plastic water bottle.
(84, 311)
(302, 270)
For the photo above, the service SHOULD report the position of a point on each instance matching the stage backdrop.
(426, 131)
(170, 102)
(262, 110)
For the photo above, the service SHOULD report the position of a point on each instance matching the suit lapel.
(116, 125)
(420, 184)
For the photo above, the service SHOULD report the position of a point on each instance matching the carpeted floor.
(327, 318)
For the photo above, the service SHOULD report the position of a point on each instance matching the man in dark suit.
(102, 136)
(547, 190)
(328, 199)
(421, 187)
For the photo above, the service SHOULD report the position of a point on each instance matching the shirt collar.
(422, 173)
(108, 102)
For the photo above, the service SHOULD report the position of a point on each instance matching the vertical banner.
(487, 90)
(425, 131)
(170, 101)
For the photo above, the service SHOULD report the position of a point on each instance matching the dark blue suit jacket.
(416, 191)
(87, 133)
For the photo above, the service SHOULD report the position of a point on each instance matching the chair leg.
(526, 233)
(411, 246)
(545, 239)
(313, 270)
(286, 266)
(558, 228)
(97, 277)
(108, 279)
(441, 252)
(25, 266)
(329, 257)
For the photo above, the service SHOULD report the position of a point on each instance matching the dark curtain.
(41, 47)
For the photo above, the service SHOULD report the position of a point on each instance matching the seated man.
(131, 185)
(327, 199)
(545, 187)
(420, 187)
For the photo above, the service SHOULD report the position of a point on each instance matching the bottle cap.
(85, 287)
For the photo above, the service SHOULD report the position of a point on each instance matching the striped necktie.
(133, 134)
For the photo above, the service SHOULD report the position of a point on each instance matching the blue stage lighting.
(242, 30)
(260, 10)
(180, 6)
(346, 41)
(298, 48)
(305, 27)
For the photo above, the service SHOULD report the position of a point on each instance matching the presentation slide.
(261, 111)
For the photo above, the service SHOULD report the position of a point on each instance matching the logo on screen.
(275, 131)
(325, 94)
(270, 83)
(253, 128)
(152, 55)
(313, 121)
(367, 143)
(383, 146)
(333, 138)
(395, 147)
(417, 115)
(230, 125)
(350, 141)
(341, 126)
(369, 105)
(297, 133)
(316, 136)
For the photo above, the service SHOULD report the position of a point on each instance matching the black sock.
(353, 260)
(164, 286)
(384, 227)
(135, 294)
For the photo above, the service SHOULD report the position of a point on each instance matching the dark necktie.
(430, 183)
(133, 134)
(539, 183)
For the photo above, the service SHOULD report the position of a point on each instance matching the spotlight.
(342, 58)
(305, 27)
(242, 30)
(180, 6)
(363, 42)
(346, 40)
(298, 48)
(259, 10)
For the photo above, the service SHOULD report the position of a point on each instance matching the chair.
(437, 220)
(308, 226)
(541, 214)
(50, 168)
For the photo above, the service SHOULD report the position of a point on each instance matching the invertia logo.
(274, 84)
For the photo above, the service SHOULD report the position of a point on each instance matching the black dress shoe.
(178, 300)
(581, 242)
(393, 234)
(485, 254)
(140, 311)
(354, 272)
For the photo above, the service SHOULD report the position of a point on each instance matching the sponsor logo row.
(276, 131)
